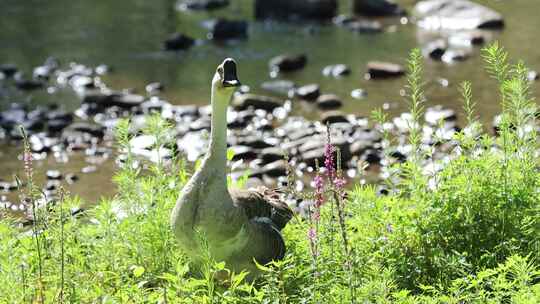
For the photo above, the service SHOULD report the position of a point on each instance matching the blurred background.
(127, 39)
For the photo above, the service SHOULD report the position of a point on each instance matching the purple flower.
(329, 161)
(312, 235)
(339, 183)
(27, 159)
(319, 191)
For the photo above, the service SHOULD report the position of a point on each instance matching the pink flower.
(27, 159)
(319, 191)
(312, 235)
(329, 161)
(339, 183)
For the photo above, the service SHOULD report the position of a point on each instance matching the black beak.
(229, 73)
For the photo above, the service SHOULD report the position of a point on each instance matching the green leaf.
(138, 271)
(230, 154)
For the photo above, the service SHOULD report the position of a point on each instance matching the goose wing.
(263, 203)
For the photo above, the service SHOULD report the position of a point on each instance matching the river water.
(127, 35)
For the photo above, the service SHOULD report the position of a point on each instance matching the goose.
(239, 226)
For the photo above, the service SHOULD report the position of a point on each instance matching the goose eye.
(220, 71)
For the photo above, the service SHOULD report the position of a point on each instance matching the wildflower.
(312, 234)
(27, 159)
(339, 183)
(329, 161)
(319, 191)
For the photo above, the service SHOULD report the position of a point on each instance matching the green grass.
(467, 234)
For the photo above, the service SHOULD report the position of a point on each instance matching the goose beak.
(229, 73)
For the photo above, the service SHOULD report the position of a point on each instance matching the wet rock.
(60, 115)
(272, 154)
(57, 125)
(372, 157)
(256, 142)
(25, 84)
(298, 9)
(329, 101)
(71, 178)
(88, 128)
(154, 104)
(532, 75)
(13, 116)
(308, 92)
(243, 152)
(456, 15)
(278, 86)
(200, 124)
(359, 25)
(8, 69)
(40, 143)
(52, 185)
(453, 55)
(381, 70)
(54, 175)
(358, 93)
(224, 29)
(88, 169)
(246, 101)
(332, 117)
(273, 169)
(77, 211)
(377, 8)
(102, 69)
(288, 63)
(435, 49)
(154, 88)
(142, 142)
(8, 187)
(204, 4)
(178, 41)
(126, 101)
(467, 39)
(337, 70)
(436, 114)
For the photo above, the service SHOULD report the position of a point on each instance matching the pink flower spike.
(329, 161)
(340, 183)
(312, 234)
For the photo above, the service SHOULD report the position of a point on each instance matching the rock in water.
(224, 29)
(302, 9)
(377, 8)
(178, 41)
(203, 4)
(245, 101)
(288, 63)
(278, 86)
(456, 15)
(308, 92)
(380, 70)
(329, 101)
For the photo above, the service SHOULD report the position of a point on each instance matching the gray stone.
(329, 101)
(297, 9)
(246, 101)
(308, 92)
(288, 63)
(381, 70)
(377, 8)
(456, 15)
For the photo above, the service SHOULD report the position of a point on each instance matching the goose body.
(239, 225)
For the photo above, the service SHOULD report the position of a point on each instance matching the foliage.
(469, 233)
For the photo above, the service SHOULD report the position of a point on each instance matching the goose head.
(225, 80)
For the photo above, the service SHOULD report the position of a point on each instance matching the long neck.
(217, 153)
